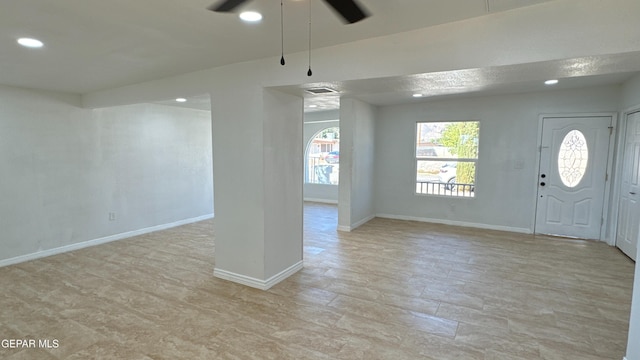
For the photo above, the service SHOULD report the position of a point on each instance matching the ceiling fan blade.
(226, 5)
(348, 9)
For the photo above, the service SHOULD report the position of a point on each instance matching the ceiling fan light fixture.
(250, 16)
(349, 10)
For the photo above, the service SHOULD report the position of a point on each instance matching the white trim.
(457, 223)
(605, 230)
(323, 201)
(277, 278)
(320, 121)
(355, 225)
(617, 172)
(257, 283)
(362, 222)
(535, 175)
(103, 240)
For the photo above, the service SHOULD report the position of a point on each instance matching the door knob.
(632, 193)
(543, 183)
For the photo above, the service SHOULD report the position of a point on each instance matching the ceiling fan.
(349, 10)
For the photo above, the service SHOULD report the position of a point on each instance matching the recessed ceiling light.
(251, 16)
(551, 82)
(30, 43)
(313, 106)
(181, 100)
(417, 95)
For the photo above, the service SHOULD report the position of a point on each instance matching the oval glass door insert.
(572, 158)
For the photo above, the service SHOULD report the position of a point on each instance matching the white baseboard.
(103, 240)
(457, 223)
(322, 201)
(355, 225)
(257, 283)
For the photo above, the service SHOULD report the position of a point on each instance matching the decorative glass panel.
(572, 158)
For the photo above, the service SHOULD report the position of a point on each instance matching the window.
(323, 157)
(446, 158)
(573, 157)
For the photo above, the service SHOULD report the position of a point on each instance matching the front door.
(572, 176)
(629, 210)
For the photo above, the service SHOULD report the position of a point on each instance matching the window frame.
(444, 160)
(307, 172)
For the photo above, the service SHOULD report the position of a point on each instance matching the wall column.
(257, 157)
(357, 135)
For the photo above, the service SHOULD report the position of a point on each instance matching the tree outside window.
(446, 158)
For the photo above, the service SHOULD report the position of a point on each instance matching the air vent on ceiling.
(319, 91)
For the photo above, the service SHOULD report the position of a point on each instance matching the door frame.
(621, 138)
(605, 226)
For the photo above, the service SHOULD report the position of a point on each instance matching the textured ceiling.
(92, 45)
(572, 73)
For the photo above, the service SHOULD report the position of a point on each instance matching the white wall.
(323, 193)
(630, 93)
(313, 123)
(357, 132)
(505, 194)
(257, 152)
(631, 98)
(237, 132)
(283, 182)
(64, 169)
(159, 161)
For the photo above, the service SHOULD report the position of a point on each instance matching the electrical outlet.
(112, 216)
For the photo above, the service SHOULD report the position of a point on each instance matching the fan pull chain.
(309, 73)
(282, 32)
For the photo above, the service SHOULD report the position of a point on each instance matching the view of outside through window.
(446, 157)
(323, 157)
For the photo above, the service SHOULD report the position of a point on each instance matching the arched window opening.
(323, 157)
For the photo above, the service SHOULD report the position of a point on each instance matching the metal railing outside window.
(444, 189)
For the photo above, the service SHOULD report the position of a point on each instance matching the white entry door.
(629, 208)
(572, 176)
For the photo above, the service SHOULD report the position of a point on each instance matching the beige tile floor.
(389, 290)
